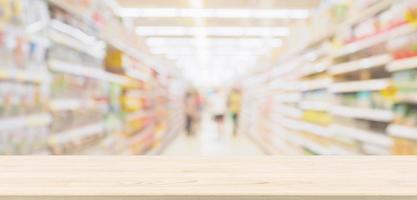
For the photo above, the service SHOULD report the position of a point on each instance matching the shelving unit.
(79, 100)
(347, 91)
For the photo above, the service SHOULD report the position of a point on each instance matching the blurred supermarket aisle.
(310, 77)
(208, 142)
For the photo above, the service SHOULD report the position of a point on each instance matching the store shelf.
(288, 97)
(306, 143)
(362, 135)
(141, 134)
(402, 131)
(374, 40)
(144, 57)
(35, 120)
(366, 63)
(316, 68)
(67, 35)
(73, 104)
(375, 150)
(315, 105)
(403, 64)
(70, 9)
(360, 16)
(24, 75)
(77, 133)
(357, 66)
(172, 135)
(312, 146)
(288, 111)
(140, 114)
(363, 113)
(357, 86)
(316, 84)
(86, 71)
(289, 86)
(408, 98)
(299, 125)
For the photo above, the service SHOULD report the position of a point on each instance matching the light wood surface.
(268, 177)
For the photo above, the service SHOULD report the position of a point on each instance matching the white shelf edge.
(410, 98)
(34, 120)
(315, 105)
(362, 135)
(25, 75)
(357, 65)
(76, 133)
(363, 113)
(402, 64)
(402, 131)
(304, 142)
(375, 150)
(90, 72)
(288, 111)
(300, 125)
(288, 98)
(71, 104)
(357, 86)
(316, 84)
(374, 40)
(73, 43)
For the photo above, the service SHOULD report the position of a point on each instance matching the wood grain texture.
(268, 177)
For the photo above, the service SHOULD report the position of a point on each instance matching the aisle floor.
(208, 142)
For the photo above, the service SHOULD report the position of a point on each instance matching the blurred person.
(191, 110)
(234, 103)
(218, 104)
(199, 106)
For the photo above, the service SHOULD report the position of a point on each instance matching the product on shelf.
(362, 101)
(59, 91)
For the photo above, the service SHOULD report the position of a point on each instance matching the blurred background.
(208, 77)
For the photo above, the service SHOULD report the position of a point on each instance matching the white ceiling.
(213, 41)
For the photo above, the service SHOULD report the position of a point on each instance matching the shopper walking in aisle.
(218, 106)
(191, 110)
(234, 103)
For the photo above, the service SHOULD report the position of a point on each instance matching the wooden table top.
(266, 177)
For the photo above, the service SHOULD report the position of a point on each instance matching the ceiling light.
(172, 51)
(233, 13)
(241, 42)
(212, 31)
(196, 13)
(214, 13)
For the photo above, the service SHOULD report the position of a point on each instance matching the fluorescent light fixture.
(241, 42)
(212, 31)
(219, 50)
(196, 13)
(233, 13)
(214, 13)
(154, 12)
(169, 41)
(173, 51)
